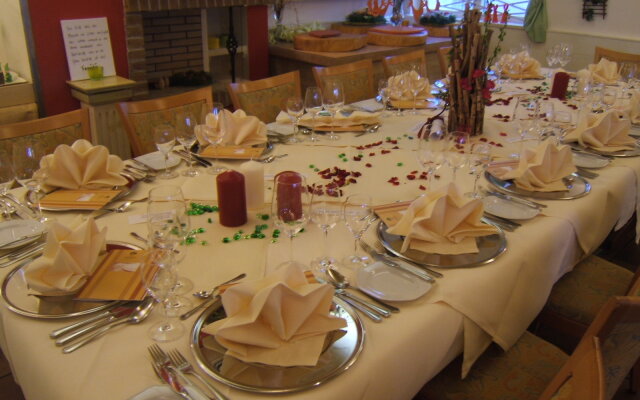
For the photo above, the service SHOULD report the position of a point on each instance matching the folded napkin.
(604, 132)
(238, 129)
(353, 119)
(70, 257)
(278, 320)
(82, 166)
(519, 66)
(400, 86)
(634, 104)
(604, 71)
(541, 169)
(442, 222)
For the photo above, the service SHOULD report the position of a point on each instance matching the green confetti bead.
(399, 164)
(226, 240)
(236, 236)
(265, 217)
(316, 170)
(254, 236)
(204, 243)
(301, 230)
(209, 220)
(261, 235)
(277, 231)
(201, 230)
(274, 240)
(247, 236)
(311, 166)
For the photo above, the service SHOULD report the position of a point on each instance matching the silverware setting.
(70, 328)
(21, 254)
(504, 223)
(270, 158)
(369, 129)
(25, 211)
(199, 160)
(120, 209)
(418, 270)
(211, 298)
(516, 199)
(340, 283)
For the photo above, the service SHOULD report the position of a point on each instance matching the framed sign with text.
(88, 47)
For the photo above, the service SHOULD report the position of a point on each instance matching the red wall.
(49, 45)
(258, 42)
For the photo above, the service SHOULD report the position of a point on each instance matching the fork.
(161, 359)
(183, 365)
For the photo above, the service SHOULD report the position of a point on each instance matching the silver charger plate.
(577, 187)
(259, 378)
(622, 153)
(489, 248)
(15, 293)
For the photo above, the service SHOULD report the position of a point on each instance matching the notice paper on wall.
(88, 45)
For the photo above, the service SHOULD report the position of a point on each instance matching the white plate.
(155, 160)
(589, 161)
(15, 229)
(508, 209)
(392, 284)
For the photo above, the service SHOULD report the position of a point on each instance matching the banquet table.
(463, 312)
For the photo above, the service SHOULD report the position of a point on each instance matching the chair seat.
(580, 293)
(522, 373)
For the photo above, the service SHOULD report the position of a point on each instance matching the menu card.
(79, 199)
(232, 152)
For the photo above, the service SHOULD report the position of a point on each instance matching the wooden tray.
(342, 43)
(395, 40)
(352, 28)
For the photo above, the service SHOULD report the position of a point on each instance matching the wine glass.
(165, 138)
(213, 134)
(431, 150)
(383, 92)
(290, 207)
(552, 59)
(627, 73)
(159, 277)
(358, 215)
(325, 211)
(295, 109)
(479, 159)
(417, 85)
(458, 151)
(26, 166)
(396, 90)
(564, 54)
(186, 135)
(333, 101)
(313, 105)
(547, 118)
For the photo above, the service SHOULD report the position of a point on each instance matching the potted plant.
(437, 23)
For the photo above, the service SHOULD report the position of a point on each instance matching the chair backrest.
(443, 59)
(264, 98)
(605, 355)
(356, 78)
(140, 117)
(405, 62)
(617, 56)
(49, 132)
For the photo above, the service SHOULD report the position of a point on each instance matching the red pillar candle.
(288, 186)
(232, 206)
(560, 85)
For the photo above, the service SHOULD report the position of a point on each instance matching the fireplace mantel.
(162, 5)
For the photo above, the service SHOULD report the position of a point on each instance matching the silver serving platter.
(259, 378)
(577, 187)
(15, 293)
(489, 248)
(622, 153)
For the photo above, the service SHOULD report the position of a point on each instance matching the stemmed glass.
(431, 151)
(552, 59)
(478, 161)
(313, 105)
(165, 138)
(564, 54)
(416, 87)
(458, 151)
(290, 207)
(159, 277)
(186, 135)
(212, 133)
(627, 73)
(295, 109)
(333, 101)
(358, 215)
(26, 164)
(396, 90)
(325, 211)
(383, 91)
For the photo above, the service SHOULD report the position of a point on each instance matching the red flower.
(478, 73)
(464, 83)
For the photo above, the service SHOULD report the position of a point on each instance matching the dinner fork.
(161, 359)
(183, 365)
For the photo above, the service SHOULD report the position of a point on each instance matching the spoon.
(271, 158)
(342, 283)
(138, 315)
(207, 294)
(138, 236)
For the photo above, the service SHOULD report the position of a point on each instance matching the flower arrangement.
(437, 18)
(365, 16)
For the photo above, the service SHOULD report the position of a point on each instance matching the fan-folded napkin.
(238, 129)
(70, 257)
(604, 71)
(278, 320)
(400, 86)
(82, 166)
(604, 132)
(353, 119)
(442, 222)
(541, 169)
(520, 66)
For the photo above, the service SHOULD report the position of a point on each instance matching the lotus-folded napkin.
(634, 104)
(520, 66)
(238, 129)
(607, 132)
(83, 166)
(541, 168)
(280, 319)
(604, 71)
(400, 86)
(356, 118)
(442, 222)
(70, 256)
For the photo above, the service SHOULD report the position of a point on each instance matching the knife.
(172, 381)
(69, 328)
(203, 161)
(516, 199)
(113, 316)
(388, 260)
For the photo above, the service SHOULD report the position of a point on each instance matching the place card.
(79, 199)
(232, 152)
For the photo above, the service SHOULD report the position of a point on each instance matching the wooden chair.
(405, 62)
(356, 78)
(265, 98)
(51, 131)
(617, 56)
(140, 117)
(535, 369)
(443, 59)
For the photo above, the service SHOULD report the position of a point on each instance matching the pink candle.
(289, 195)
(231, 198)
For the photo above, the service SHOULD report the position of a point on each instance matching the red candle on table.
(289, 195)
(232, 206)
(560, 85)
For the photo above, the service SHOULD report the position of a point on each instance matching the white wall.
(13, 45)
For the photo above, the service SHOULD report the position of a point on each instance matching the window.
(516, 8)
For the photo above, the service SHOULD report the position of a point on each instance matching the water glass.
(383, 92)
(478, 161)
(165, 138)
(432, 146)
(358, 215)
(325, 212)
(186, 135)
(295, 108)
(26, 166)
(313, 105)
(333, 101)
(213, 134)
(458, 151)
